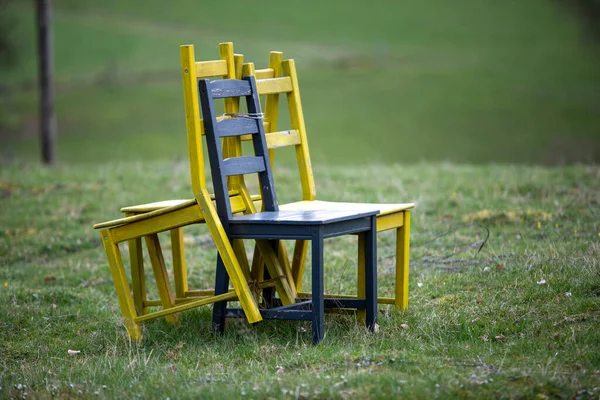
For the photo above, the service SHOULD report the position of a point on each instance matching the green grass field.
(472, 81)
(398, 97)
(480, 325)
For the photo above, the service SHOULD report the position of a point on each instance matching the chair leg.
(138, 282)
(361, 315)
(300, 250)
(402, 261)
(221, 286)
(117, 270)
(179, 267)
(370, 252)
(318, 301)
(160, 275)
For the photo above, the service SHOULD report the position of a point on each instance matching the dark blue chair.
(272, 224)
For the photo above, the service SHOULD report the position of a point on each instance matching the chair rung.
(243, 165)
(237, 126)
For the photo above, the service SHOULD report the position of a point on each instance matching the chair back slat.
(208, 69)
(229, 88)
(274, 85)
(243, 165)
(237, 126)
(236, 165)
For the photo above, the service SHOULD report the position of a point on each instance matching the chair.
(280, 78)
(181, 213)
(273, 224)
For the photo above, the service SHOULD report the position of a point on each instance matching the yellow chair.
(280, 78)
(176, 214)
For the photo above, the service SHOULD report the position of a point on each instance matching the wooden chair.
(272, 223)
(181, 213)
(280, 78)
(224, 68)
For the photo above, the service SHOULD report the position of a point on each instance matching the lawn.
(517, 319)
(447, 104)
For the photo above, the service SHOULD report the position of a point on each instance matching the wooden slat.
(243, 165)
(283, 139)
(266, 73)
(266, 126)
(237, 126)
(187, 306)
(274, 85)
(210, 69)
(229, 88)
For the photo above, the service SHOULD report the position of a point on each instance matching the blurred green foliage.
(469, 81)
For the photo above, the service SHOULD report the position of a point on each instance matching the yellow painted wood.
(160, 275)
(187, 306)
(390, 221)
(240, 284)
(298, 262)
(124, 296)
(238, 61)
(285, 286)
(193, 123)
(179, 265)
(274, 85)
(265, 73)
(209, 69)
(240, 253)
(276, 140)
(248, 69)
(272, 104)
(402, 262)
(159, 223)
(138, 282)
(152, 303)
(297, 121)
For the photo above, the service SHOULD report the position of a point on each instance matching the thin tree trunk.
(47, 117)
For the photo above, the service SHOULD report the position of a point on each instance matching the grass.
(480, 324)
(480, 81)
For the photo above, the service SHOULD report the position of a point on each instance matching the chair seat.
(336, 205)
(157, 205)
(302, 217)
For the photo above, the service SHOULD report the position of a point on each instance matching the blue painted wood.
(307, 217)
(220, 89)
(295, 315)
(371, 275)
(237, 126)
(243, 165)
(318, 299)
(221, 286)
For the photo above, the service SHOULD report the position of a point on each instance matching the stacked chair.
(233, 198)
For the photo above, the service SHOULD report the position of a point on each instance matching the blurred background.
(511, 81)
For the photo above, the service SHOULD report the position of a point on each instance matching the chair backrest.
(237, 125)
(191, 72)
(281, 78)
